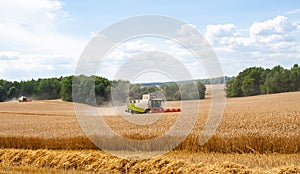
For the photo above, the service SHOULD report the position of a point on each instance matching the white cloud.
(275, 35)
(137, 46)
(225, 37)
(29, 38)
(163, 65)
(28, 13)
(117, 55)
(220, 30)
(149, 50)
(186, 30)
(122, 54)
(8, 54)
(294, 11)
(265, 43)
(190, 37)
(273, 30)
(128, 49)
(22, 67)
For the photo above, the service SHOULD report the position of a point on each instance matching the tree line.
(257, 80)
(94, 89)
(172, 91)
(54, 88)
(38, 89)
(251, 81)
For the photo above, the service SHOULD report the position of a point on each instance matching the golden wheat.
(175, 162)
(256, 135)
(263, 124)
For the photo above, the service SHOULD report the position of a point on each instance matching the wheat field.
(74, 161)
(259, 134)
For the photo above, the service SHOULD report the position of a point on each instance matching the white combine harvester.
(149, 103)
(23, 99)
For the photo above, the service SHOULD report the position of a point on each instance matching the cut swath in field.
(179, 162)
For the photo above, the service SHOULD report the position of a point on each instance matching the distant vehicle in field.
(150, 103)
(23, 99)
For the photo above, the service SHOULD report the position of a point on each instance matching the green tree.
(277, 80)
(247, 83)
(295, 78)
(66, 88)
(189, 91)
(232, 88)
(149, 89)
(12, 92)
(201, 89)
(48, 88)
(84, 89)
(29, 88)
(171, 91)
(135, 91)
(120, 91)
(102, 90)
(4, 87)
(263, 88)
(248, 86)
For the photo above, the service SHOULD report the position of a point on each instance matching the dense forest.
(257, 80)
(89, 88)
(251, 81)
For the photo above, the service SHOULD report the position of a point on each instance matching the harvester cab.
(156, 104)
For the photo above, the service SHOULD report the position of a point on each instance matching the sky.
(45, 38)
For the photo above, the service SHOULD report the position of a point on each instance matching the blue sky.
(44, 38)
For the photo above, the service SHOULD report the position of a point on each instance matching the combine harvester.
(24, 99)
(150, 103)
